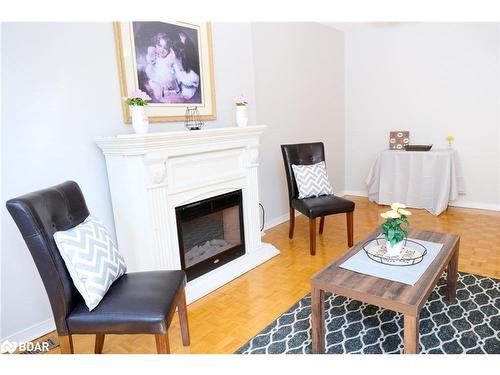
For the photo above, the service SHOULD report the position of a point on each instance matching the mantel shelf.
(134, 144)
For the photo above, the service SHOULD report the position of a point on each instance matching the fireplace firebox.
(210, 233)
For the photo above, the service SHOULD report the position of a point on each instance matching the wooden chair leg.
(350, 228)
(66, 344)
(312, 235)
(99, 343)
(162, 345)
(321, 224)
(183, 318)
(292, 222)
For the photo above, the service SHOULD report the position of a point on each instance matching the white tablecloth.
(418, 179)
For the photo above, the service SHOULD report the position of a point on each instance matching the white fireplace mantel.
(152, 174)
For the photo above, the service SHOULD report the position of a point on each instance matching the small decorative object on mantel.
(192, 119)
(449, 138)
(137, 100)
(398, 139)
(395, 228)
(241, 102)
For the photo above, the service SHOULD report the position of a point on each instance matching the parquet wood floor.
(224, 320)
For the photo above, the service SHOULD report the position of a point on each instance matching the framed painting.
(171, 62)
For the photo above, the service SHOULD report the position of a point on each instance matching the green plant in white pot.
(395, 228)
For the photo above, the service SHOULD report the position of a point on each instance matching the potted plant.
(137, 100)
(241, 102)
(395, 228)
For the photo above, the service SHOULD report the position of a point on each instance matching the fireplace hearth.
(210, 233)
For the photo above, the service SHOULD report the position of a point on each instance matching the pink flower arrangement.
(240, 100)
(138, 97)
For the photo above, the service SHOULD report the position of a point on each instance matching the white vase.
(241, 115)
(140, 121)
(394, 250)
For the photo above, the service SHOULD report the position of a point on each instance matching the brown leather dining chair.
(136, 303)
(305, 154)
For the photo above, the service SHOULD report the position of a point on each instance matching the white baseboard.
(340, 193)
(459, 203)
(356, 193)
(31, 333)
(476, 205)
(279, 220)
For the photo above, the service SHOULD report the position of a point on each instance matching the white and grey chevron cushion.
(312, 180)
(92, 259)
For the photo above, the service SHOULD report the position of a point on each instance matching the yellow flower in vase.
(449, 138)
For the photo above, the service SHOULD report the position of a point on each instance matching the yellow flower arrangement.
(396, 225)
(450, 139)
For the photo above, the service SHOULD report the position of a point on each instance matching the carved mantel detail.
(157, 172)
(252, 157)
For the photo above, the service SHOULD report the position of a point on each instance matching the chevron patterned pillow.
(312, 180)
(92, 259)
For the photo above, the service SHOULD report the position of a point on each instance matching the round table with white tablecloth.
(419, 179)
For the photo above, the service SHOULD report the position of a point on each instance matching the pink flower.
(135, 94)
(138, 94)
(240, 99)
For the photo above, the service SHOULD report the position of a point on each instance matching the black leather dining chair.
(136, 303)
(305, 154)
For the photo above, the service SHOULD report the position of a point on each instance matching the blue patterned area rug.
(471, 325)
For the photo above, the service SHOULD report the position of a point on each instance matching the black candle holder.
(192, 119)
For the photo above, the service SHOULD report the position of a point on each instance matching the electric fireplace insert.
(210, 233)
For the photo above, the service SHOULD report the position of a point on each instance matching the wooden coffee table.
(391, 295)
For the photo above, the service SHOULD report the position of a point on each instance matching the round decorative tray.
(411, 253)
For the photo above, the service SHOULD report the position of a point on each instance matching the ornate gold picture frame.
(172, 62)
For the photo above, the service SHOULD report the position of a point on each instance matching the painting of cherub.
(168, 62)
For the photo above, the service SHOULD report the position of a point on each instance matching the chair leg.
(162, 345)
(350, 228)
(312, 235)
(183, 318)
(99, 343)
(66, 344)
(321, 224)
(292, 222)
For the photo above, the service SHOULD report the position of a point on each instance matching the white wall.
(60, 91)
(430, 79)
(299, 84)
